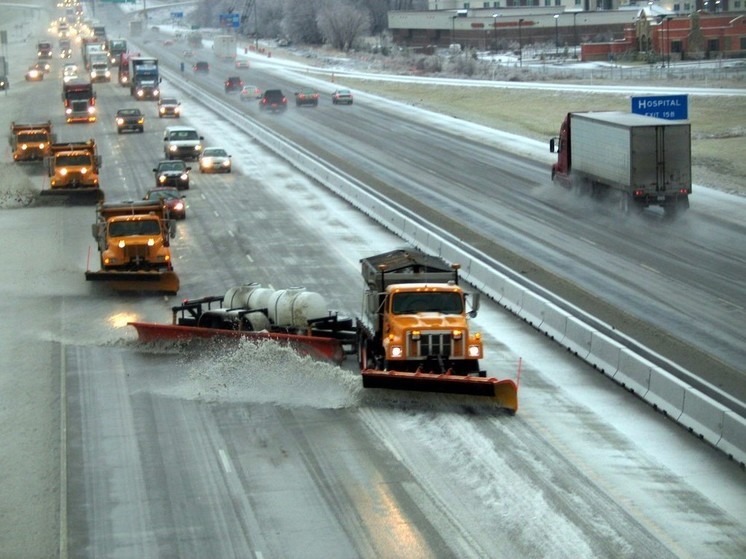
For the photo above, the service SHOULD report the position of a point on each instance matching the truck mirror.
(551, 145)
(371, 301)
(474, 303)
(99, 161)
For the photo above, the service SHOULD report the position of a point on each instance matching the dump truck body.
(645, 161)
(73, 169)
(414, 333)
(133, 240)
(31, 142)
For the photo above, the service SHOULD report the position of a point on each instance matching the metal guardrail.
(635, 367)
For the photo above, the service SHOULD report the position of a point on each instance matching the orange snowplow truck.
(133, 240)
(31, 142)
(414, 333)
(73, 169)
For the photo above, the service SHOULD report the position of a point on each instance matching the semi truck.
(31, 141)
(414, 332)
(224, 47)
(73, 169)
(144, 78)
(99, 70)
(133, 240)
(638, 160)
(80, 101)
(115, 48)
(89, 47)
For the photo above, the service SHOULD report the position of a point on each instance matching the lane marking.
(225, 460)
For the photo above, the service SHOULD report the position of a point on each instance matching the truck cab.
(31, 141)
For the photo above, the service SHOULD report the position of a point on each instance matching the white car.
(214, 160)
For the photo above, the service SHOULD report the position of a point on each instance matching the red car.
(172, 196)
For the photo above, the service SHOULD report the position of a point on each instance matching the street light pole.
(575, 34)
(520, 44)
(556, 35)
(494, 31)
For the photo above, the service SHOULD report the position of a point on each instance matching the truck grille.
(80, 106)
(135, 253)
(432, 344)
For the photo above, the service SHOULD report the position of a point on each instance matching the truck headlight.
(24, 147)
(91, 110)
(172, 148)
(122, 244)
(151, 242)
(140, 93)
(474, 351)
(68, 111)
(184, 177)
(107, 74)
(396, 351)
(120, 121)
(198, 147)
(63, 171)
(83, 170)
(162, 178)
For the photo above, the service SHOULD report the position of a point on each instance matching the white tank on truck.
(639, 160)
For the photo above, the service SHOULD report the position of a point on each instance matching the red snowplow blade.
(317, 347)
(504, 392)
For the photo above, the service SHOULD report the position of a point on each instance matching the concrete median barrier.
(703, 416)
(577, 338)
(733, 441)
(667, 393)
(634, 372)
(604, 354)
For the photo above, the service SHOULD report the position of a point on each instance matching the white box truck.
(224, 47)
(641, 160)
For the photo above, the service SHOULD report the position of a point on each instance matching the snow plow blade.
(75, 196)
(316, 347)
(167, 282)
(503, 392)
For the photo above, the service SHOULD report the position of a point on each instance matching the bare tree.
(299, 21)
(342, 24)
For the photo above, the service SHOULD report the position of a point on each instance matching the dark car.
(342, 97)
(201, 67)
(233, 83)
(273, 100)
(172, 172)
(130, 119)
(173, 198)
(307, 96)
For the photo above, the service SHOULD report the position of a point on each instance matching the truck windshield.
(74, 160)
(33, 137)
(134, 228)
(78, 95)
(443, 302)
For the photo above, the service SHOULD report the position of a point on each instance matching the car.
(44, 66)
(130, 119)
(4, 83)
(34, 74)
(273, 100)
(172, 197)
(173, 173)
(233, 83)
(181, 142)
(201, 67)
(307, 96)
(242, 64)
(169, 107)
(214, 160)
(249, 92)
(342, 97)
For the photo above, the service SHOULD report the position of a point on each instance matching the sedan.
(249, 92)
(342, 97)
(173, 198)
(34, 74)
(172, 173)
(307, 96)
(214, 160)
(242, 64)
